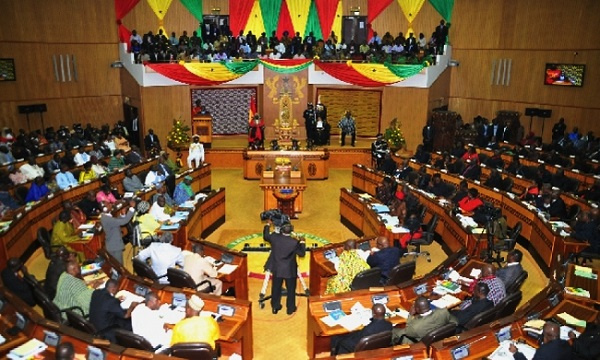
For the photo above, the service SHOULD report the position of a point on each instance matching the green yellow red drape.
(160, 8)
(411, 8)
(375, 7)
(195, 8)
(255, 21)
(239, 11)
(360, 74)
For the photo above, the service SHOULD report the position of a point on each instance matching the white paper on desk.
(475, 273)
(210, 259)
(446, 301)
(565, 330)
(329, 321)
(502, 352)
(363, 254)
(128, 298)
(400, 230)
(171, 316)
(175, 219)
(86, 226)
(454, 275)
(227, 269)
(351, 322)
(128, 195)
(402, 313)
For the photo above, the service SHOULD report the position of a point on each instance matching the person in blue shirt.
(65, 178)
(385, 258)
(183, 191)
(6, 199)
(38, 190)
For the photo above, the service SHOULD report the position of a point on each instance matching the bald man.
(71, 290)
(497, 288)
(422, 321)
(384, 257)
(552, 348)
(345, 344)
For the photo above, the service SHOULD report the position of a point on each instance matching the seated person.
(106, 313)
(586, 229)
(162, 256)
(554, 207)
(116, 162)
(345, 344)
(87, 174)
(495, 161)
(476, 305)
(16, 176)
(173, 168)
(105, 195)
(515, 166)
(472, 171)
(587, 346)
(384, 256)
(58, 265)
(98, 168)
(463, 192)
(403, 171)
(200, 269)
(421, 321)
(553, 347)
(471, 155)
(160, 210)
(131, 182)
(65, 178)
(495, 180)
(161, 190)
(148, 224)
(147, 321)
(388, 165)
(154, 176)
(78, 217)
(421, 155)
(89, 205)
(496, 286)
(13, 279)
(32, 170)
(509, 273)
(71, 290)
(183, 191)
(63, 231)
(81, 157)
(440, 188)
(349, 264)
(65, 351)
(6, 198)
(386, 191)
(134, 156)
(122, 143)
(37, 190)
(196, 327)
(471, 202)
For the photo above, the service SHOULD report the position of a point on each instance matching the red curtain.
(375, 7)
(122, 8)
(327, 10)
(285, 22)
(343, 72)
(179, 73)
(239, 12)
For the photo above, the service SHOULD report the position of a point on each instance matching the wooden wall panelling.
(409, 105)
(130, 89)
(365, 105)
(347, 4)
(161, 105)
(439, 92)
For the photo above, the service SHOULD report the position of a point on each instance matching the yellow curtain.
(160, 8)
(337, 23)
(299, 10)
(376, 72)
(211, 71)
(255, 21)
(411, 8)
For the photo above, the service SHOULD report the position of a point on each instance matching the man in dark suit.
(106, 313)
(428, 136)
(57, 266)
(478, 304)
(134, 157)
(440, 188)
(586, 229)
(552, 348)
(284, 249)
(422, 321)
(13, 278)
(441, 32)
(345, 344)
(513, 268)
(385, 258)
(151, 141)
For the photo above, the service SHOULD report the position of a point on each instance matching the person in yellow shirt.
(196, 327)
(87, 173)
(64, 233)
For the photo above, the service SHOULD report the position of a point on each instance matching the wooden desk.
(270, 185)
(593, 286)
(205, 218)
(416, 352)
(315, 164)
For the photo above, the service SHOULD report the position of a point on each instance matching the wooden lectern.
(202, 125)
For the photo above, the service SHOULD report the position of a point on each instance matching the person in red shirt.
(471, 155)
(471, 202)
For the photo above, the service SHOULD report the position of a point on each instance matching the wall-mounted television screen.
(564, 74)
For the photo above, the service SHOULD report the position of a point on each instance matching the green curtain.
(270, 10)
(240, 67)
(195, 8)
(404, 71)
(444, 8)
(313, 24)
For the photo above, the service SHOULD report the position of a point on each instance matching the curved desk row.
(236, 330)
(545, 243)
(22, 232)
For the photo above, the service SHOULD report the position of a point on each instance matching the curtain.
(271, 8)
(327, 13)
(444, 8)
(195, 8)
(241, 68)
(122, 8)
(313, 25)
(239, 11)
(179, 73)
(218, 72)
(299, 14)
(228, 107)
(285, 22)
(337, 21)
(346, 73)
(375, 8)
(286, 66)
(375, 72)
(160, 8)
(255, 20)
(410, 8)
(405, 71)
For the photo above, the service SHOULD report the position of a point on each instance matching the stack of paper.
(365, 196)
(571, 320)
(127, 297)
(169, 227)
(27, 350)
(577, 292)
(534, 326)
(380, 208)
(227, 269)
(502, 351)
(455, 276)
(446, 301)
(452, 287)
(86, 226)
(333, 318)
(585, 272)
(565, 330)
(89, 268)
(188, 205)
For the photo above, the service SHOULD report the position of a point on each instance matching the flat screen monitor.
(564, 74)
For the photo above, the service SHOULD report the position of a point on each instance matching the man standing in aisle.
(310, 122)
(284, 249)
(348, 126)
(112, 229)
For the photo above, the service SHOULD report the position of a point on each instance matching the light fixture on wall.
(116, 64)
(453, 63)
(215, 11)
(355, 10)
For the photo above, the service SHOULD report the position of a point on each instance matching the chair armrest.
(206, 282)
(74, 308)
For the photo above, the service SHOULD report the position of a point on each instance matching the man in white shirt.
(65, 179)
(99, 169)
(155, 176)
(81, 157)
(158, 209)
(162, 255)
(147, 321)
(32, 170)
(200, 269)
